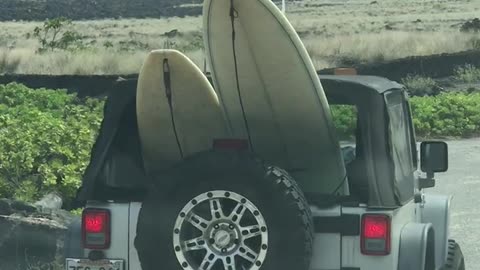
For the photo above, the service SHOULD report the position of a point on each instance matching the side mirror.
(433, 157)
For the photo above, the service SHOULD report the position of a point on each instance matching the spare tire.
(224, 211)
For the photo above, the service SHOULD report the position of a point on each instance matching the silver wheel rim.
(235, 239)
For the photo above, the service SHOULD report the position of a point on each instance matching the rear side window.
(345, 121)
(400, 142)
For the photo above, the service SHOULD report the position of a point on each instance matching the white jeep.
(225, 209)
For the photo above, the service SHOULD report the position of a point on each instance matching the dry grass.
(97, 59)
(101, 61)
(386, 45)
(468, 74)
(333, 31)
(360, 16)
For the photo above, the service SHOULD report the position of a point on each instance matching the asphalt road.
(462, 181)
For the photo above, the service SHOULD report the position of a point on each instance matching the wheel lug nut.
(216, 226)
(231, 227)
(224, 250)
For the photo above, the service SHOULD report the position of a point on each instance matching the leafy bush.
(455, 114)
(421, 86)
(45, 140)
(345, 119)
(76, 212)
(447, 115)
(468, 74)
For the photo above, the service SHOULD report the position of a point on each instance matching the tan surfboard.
(177, 109)
(287, 115)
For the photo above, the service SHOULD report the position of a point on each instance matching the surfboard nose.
(178, 112)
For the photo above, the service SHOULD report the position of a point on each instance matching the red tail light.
(375, 238)
(96, 228)
(230, 144)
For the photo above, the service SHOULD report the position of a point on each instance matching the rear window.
(345, 121)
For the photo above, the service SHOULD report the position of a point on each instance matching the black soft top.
(118, 134)
(379, 84)
(120, 106)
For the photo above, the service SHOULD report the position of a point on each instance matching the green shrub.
(45, 140)
(421, 86)
(345, 119)
(447, 115)
(468, 74)
(455, 114)
(76, 212)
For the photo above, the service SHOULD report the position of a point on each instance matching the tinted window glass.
(345, 120)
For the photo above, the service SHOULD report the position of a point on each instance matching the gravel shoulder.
(462, 182)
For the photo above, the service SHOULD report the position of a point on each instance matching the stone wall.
(31, 237)
(436, 66)
(94, 9)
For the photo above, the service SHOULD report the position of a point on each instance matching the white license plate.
(85, 264)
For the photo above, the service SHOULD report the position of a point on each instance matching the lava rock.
(23, 206)
(37, 235)
(5, 208)
(50, 201)
(471, 26)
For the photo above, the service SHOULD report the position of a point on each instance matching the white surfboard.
(286, 109)
(197, 116)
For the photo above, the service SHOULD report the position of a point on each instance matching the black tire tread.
(455, 259)
(292, 189)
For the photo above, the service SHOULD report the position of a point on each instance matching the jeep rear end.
(383, 221)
